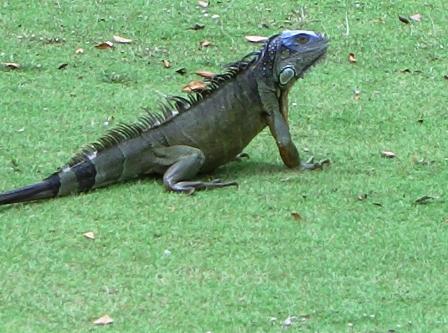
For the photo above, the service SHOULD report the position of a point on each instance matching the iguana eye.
(302, 39)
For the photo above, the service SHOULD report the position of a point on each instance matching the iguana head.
(298, 51)
(291, 53)
(287, 56)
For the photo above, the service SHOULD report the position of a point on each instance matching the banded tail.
(123, 161)
(47, 188)
(76, 179)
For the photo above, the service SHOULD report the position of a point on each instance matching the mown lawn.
(347, 249)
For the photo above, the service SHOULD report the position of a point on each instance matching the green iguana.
(196, 135)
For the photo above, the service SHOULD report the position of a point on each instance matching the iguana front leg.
(184, 163)
(280, 131)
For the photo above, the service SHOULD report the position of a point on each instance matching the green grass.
(238, 257)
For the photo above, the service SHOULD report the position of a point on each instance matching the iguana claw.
(311, 165)
(241, 156)
(190, 187)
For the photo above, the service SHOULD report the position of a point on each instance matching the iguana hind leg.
(184, 163)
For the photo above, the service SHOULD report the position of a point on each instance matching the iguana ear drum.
(286, 75)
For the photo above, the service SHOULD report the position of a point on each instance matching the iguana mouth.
(318, 59)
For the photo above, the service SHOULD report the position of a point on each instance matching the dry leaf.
(11, 65)
(416, 17)
(352, 58)
(256, 39)
(203, 4)
(62, 66)
(296, 216)
(404, 19)
(89, 235)
(362, 197)
(105, 45)
(104, 320)
(181, 71)
(424, 200)
(356, 94)
(79, 51)
(205, 74)
(197, 26)
(289, 321)
(194, 86)
(388, 154)
(205, 43)
(166, 63)
(121, 40)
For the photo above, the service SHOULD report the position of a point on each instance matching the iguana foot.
(311, 165)
(184, 163)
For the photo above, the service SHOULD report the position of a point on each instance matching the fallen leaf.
(416, 17)
(296, 216)
(205, 43)
(197, 26)
(121, 40)
(203, 4)
(352, 58)
(356, 94)
(20, 130)
(426, 199)
(11, 65)
(62, 66)
(388, 154)
(89, 235)
(181, 71)
(289, 321)
(256, 39)
(194, 86)
(104, 320)
(79, 51)
(362, 197)
(422, 161)
(404, 19)
(206, 74)
(166, 63)
(108, 121)
(105, 45)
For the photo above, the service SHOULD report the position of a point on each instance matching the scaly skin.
(197, 137)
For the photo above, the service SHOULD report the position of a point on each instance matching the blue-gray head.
(289, 54)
